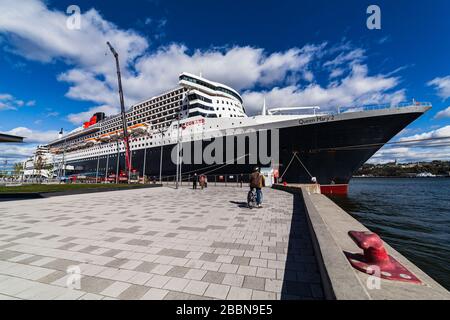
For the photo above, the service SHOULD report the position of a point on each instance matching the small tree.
(39, 165)
(18, 169)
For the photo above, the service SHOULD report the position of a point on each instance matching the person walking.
(257, 182)
(202, 182)
(195, 181)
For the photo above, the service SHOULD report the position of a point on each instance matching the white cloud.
(9, 102)
(356, 89)
(336, 73)
(16, 152)
(436, 149)
(353, 56)
(38, 33)
(34, 136)
(443, 114)
(93, 76)
(442, 86)
(79, 118)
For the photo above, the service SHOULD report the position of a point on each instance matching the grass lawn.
(63, 187)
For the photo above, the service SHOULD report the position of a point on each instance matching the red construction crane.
(126, 137)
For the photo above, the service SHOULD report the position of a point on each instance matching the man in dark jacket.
(257, 182)
(195, 181)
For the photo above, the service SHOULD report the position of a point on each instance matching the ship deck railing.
(339, 110)
(383, 106)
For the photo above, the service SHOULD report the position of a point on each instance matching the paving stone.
(195, 274)
(146, 266)
(7, 254)
(91, 296)
(134, 292)
(243, 261)
(155, 294)
(173, 253)
(228, 268)
(52, 277)
(140, 278)
(258, 262)
(61, 264)
(266, 273)
(263, 295)
(247, 270)
(273, 285)
(233, 280)
(116, 263)
(239, 294)
(196, 287)
(209, 257)
(115, 289)
(254, 283)
(157, 281)
(217, 291)
(176, 284)
(161, 269)
(214, 277)
(138, 242)
(111, 252)
(94, 284)
(177, 271)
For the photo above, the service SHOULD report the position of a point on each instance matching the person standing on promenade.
(195, 181)
(202, 182)
(257, 182)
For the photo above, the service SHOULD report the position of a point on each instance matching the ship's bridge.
(209, 99)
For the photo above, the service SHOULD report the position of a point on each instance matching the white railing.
(383, 106)
(312, 110)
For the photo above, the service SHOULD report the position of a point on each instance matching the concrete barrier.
(329, 226)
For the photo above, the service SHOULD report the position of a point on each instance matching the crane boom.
(126, 137)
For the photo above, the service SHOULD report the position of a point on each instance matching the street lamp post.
(178, 152)
(64, 158)
(162, 133)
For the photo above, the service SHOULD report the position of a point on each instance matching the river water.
(412, 215)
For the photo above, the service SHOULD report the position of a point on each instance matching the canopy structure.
(10, 138)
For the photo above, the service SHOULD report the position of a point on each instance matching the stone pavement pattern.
(158, 244)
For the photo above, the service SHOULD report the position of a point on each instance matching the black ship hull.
(329, 151)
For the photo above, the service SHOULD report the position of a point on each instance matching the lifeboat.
(114, 135)
(138, 129)
(71, 148)
(105, 137)
(90, 142)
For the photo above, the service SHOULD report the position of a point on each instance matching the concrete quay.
(329, 226)
(158, 243)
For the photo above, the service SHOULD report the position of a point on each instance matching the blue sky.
(292, 52)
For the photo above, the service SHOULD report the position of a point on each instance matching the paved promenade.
(157, 244)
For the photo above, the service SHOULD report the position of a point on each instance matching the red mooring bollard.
(375, 260)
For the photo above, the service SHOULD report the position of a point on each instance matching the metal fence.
(227, 180)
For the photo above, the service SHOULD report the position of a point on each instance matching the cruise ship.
(326, 148)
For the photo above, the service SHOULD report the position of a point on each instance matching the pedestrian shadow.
(240, 204)
(301, 276)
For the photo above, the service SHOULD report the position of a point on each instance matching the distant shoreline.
(368, 177)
